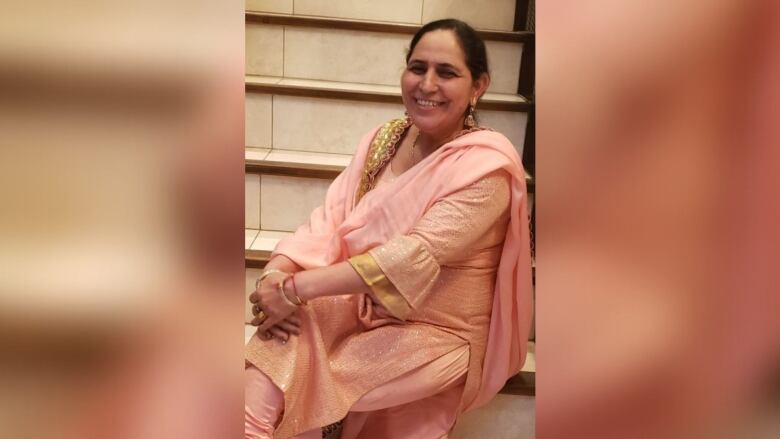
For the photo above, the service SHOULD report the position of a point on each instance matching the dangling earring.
(470, 121)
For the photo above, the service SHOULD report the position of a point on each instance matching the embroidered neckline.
(383, 149)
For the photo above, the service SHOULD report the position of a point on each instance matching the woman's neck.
(429, 142)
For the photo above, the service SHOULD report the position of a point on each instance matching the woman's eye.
(417, 69)
(447, 74)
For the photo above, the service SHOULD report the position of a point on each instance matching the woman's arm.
(402, 271)
(333, 280)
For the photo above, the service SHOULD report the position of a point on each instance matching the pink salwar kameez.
(445, 248)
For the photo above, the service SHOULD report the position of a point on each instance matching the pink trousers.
(264, 401)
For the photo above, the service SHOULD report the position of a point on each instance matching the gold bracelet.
(295, 291)
(296, 298)
(280, 288)
(265, 274)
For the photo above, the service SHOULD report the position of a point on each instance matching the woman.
(406, 299)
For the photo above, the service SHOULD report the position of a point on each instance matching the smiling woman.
(406, 299)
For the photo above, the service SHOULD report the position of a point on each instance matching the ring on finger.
(261, 315)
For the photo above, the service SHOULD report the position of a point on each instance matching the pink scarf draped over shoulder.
(341, 228)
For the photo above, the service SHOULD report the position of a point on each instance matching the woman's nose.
(428, 84)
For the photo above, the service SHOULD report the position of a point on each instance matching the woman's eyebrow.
(438, 65)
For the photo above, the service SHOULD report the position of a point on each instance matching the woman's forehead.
(441, 47)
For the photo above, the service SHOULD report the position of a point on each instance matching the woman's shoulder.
(488, 142)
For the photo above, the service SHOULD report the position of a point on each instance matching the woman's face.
(437, 86)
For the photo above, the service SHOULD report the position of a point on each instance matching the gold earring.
(470, 122)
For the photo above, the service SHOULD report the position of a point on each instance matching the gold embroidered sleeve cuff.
(380, 285)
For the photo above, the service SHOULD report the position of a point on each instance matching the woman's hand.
(282, 330)
(273, 312)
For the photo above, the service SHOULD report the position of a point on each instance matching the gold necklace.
(414, 143)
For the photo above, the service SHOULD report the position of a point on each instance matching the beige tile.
(264, 49)
(249, 237)
(251, 275)
(345, 56)
(251, 201)
(326, 125)
(402, 11)
(256, 153)
(497, 15)
(309, 53)
(267, 240)
(504, 417)
(258, 123)
(509, 123)
(288, 201)
(276, 6)
(312, 158)
(504, 59)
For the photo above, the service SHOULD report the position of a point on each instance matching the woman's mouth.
(425, 103)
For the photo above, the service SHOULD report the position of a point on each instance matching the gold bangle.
(295, 291)
(280, 288)
(265, 274)
(296, 298)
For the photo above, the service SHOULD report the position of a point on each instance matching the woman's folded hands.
(274, 313)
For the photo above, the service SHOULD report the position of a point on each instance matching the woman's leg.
(427, 380)
(419, 404)
(263, 403)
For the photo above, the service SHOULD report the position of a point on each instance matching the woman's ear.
(480, 86)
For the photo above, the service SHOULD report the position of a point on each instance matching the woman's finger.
(268, 323)
(294, 319)
(256, 309)
(280, 334)
(254, 298)
(259, 319)
(289, 327)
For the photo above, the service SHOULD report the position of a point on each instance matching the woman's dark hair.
(471, 43)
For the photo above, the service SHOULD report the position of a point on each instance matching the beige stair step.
(368, 25)
(365, 92)
(295, 163)
(499, 16)
(305, 164)
(506, 416)
(259, 244)
(354, 56)
(321, 116)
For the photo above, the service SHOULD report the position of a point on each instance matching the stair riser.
(499, 16)
(354, 56)
(336, 126)
(275, 202)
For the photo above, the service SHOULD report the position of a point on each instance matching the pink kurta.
(442, 247)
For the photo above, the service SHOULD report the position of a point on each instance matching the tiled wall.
(336, 126)
(482, 14)
(342, 55)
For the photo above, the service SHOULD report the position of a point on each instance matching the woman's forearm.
(282, 263)
(334, 280)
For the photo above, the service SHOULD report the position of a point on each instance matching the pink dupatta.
(340, 229)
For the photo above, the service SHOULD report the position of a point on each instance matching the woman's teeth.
(424, 103)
